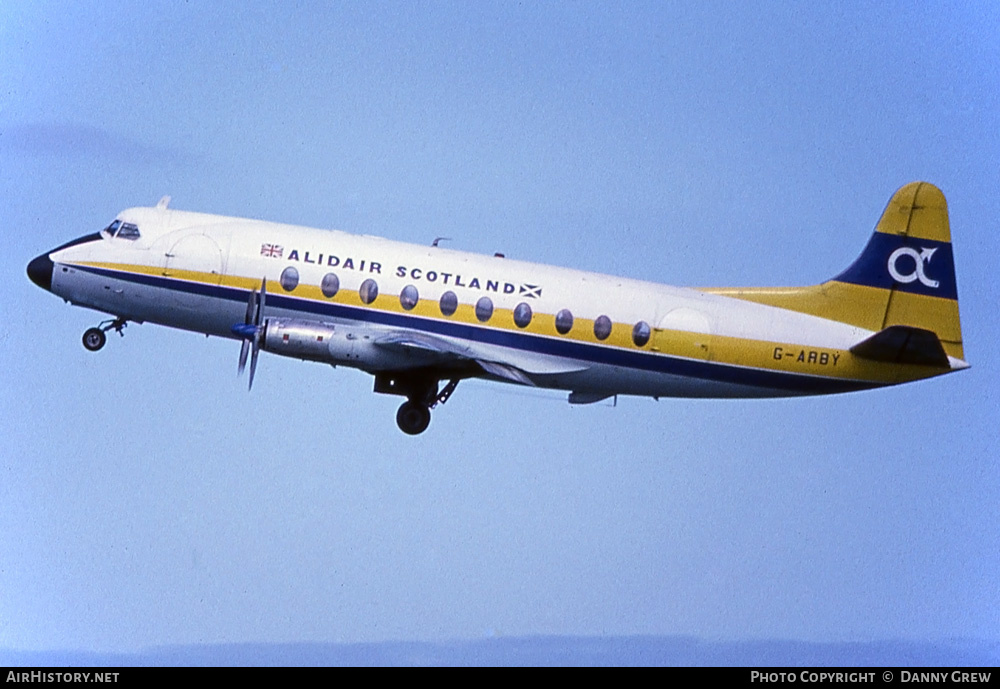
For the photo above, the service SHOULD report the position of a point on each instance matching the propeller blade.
(243, 332)
(244, 350)
(252, 330)
(253, 364)
(251, 307)
(260, 304)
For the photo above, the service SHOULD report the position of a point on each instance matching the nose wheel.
(95, 338)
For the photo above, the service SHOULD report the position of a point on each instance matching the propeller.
(252, 330)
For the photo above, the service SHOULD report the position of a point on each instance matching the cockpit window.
(122, 230)
(128, 231)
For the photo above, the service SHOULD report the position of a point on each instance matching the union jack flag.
(272, 250)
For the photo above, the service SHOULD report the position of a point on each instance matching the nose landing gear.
(94, 339)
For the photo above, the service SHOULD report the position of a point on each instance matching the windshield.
(128, 231)
(122, 230)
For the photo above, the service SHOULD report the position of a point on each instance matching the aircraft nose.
(40, 271)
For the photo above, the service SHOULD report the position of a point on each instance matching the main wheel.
(94, 339)
(413, 418)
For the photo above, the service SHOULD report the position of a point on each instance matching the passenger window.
(368, 291)
(602, 327)
(408, 297)
(484, 309)
(522, 315)
(564, 321)
(128, 231)
(289, 278)
(449, 303)
(640, 333)
(330, 285)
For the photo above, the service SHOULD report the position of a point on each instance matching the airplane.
(418, 316)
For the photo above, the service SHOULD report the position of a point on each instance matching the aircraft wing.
(509, 365)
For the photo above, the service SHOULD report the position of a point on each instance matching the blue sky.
(147, 499)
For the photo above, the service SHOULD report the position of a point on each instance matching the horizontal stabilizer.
(903, 344)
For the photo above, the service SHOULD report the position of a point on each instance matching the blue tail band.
(918, 266)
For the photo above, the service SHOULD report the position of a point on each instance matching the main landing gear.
(414, 414)
(95, 338)
(413, 418)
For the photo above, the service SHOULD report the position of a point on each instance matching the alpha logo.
(919, 259)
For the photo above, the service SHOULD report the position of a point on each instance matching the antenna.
(163, 203)
(440, 239)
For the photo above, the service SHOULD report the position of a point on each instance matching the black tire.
(94, 339)
(413, 418)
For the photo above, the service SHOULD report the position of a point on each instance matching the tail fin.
(905, 276)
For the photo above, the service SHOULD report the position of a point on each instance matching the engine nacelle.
(300, 339)
(331, 344)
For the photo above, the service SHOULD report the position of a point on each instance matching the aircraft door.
(195, 261)
(684, 332)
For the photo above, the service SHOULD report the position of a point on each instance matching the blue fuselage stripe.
(523, 341)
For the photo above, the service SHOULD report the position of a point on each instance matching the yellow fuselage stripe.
(783, 357)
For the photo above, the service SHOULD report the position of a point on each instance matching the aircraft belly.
(607, 379)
